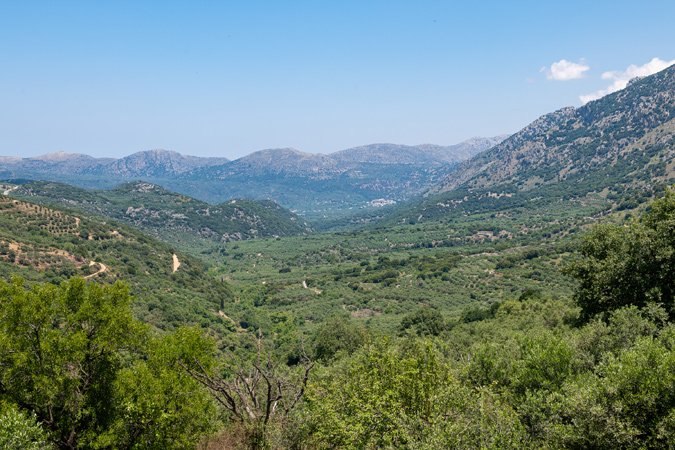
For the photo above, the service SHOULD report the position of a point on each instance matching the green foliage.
(629, 265)
(380, 275)
(74, 356)
(478, 313)
(423, 322)
(509, 367)
(545, 362)
(336, 337)
(603, 385)
(174, 217)
(60, 352)
(160, 406)
(627, 402)
(21, 432)
(389, 396)
(258, 394)
(45, 244)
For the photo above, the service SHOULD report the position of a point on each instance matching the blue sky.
(223, 78)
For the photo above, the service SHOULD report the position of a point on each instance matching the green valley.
(524, 301)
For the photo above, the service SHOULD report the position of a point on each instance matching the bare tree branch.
(255, 391)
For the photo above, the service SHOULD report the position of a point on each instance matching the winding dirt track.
(103, 268)
(9, 190)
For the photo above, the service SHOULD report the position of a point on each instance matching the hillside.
(41, 244)
(172, 217)
(626, 137)
(616, 151)
(419, 154)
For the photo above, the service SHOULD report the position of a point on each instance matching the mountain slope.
(621, 133)
(56, 163)
(319, 186)
(419, 154)
(280, 160)
(153, 163)
(173, 217)
(611, 154)
(41, 243)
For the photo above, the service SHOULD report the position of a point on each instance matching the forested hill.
(41, 244)
(173, 217)
(623, 138)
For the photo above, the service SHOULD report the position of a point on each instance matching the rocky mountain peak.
(570, 142)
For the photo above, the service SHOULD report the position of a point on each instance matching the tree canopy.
(629, 265)
(74, 358)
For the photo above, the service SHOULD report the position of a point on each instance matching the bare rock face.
(599, 135)
(155, 163)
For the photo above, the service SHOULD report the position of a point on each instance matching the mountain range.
(151, 163)
(314, 185)
(614, 149)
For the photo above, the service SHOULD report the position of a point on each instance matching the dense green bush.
(73, 357)
(631, 265)
(423, 322)
(336, 337)
(405, 396)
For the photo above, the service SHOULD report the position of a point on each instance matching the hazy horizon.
(220, 79)
(262, 149)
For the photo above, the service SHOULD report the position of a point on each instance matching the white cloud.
(564, 70)
(621, 79)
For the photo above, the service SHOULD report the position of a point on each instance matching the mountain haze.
(318, 185)
(312, 184)
(151, 163)
(419, 154)
(288, 161)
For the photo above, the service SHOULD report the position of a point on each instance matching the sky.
(225, 78)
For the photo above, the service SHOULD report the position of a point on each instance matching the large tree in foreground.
(629, 265)
(92, 375)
